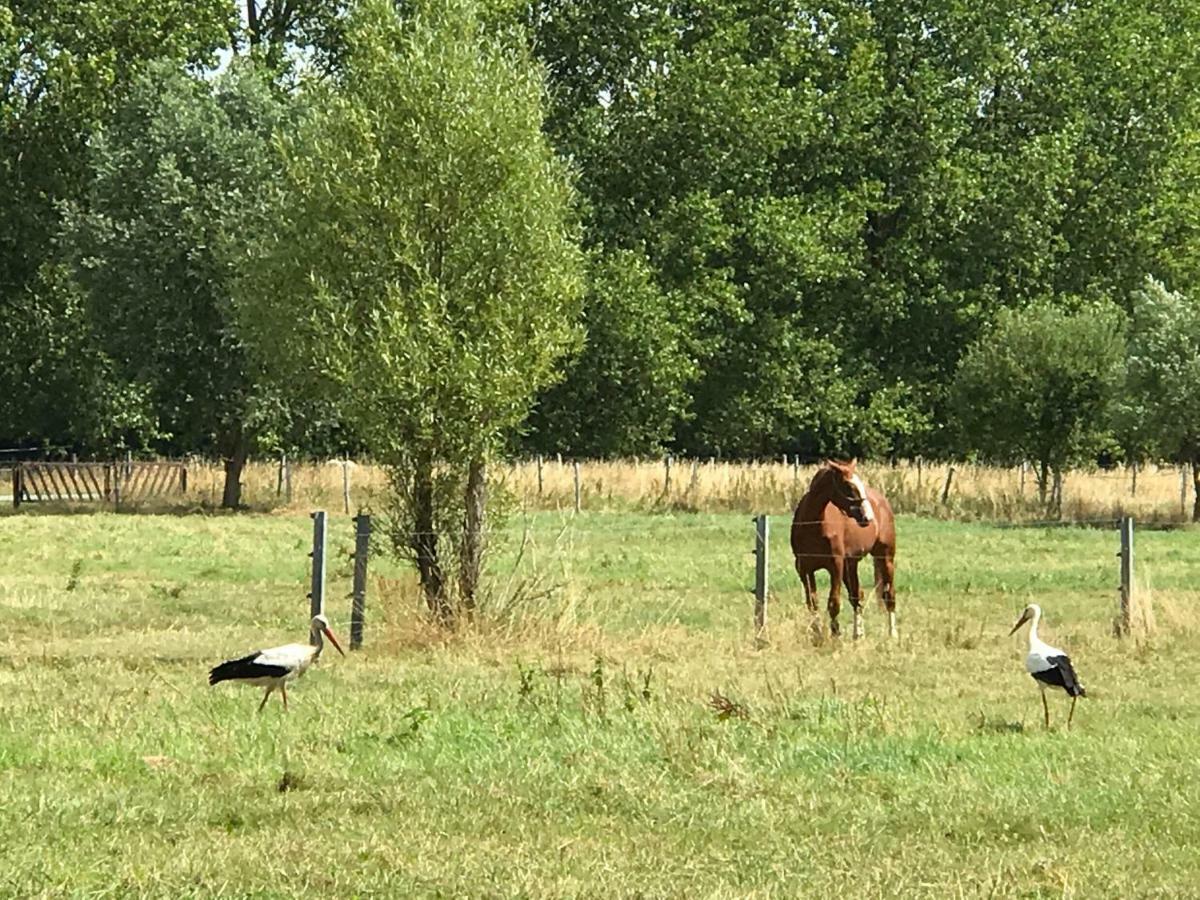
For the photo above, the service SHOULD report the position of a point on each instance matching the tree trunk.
(235, 450)
(424, 543)
(1196, 488)
(1056, 493)
(252, 22)
(471, 558)
(1043, 480)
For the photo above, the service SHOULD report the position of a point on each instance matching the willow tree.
(1041, 385)
(425, 268)
(1160, 408)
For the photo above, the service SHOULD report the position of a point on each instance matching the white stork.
(1049, 666)
(274, 668)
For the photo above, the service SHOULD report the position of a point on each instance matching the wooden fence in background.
(96, 482)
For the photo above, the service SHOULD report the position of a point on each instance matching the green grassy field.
(569, 745)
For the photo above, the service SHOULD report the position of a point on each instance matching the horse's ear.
(850, 465)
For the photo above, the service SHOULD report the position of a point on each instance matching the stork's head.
(320, 626)
(850, 493)
(1032, 611)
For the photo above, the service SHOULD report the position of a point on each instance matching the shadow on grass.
(178, 508)
(985, 725)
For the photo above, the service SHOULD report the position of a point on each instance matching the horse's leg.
(810, 590)
(835, 593)
(885, 584)
(809, 582)
(850, 577)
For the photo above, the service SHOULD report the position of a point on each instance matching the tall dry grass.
(975, 492)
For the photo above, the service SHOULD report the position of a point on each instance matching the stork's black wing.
(1061, 674)
(245, 668)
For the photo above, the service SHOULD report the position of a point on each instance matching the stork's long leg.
(1072, 713)
(283, 691)
(266, 696)
(1046, 707)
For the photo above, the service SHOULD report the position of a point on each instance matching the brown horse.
(838, 521)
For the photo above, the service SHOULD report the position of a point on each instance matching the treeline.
(874, 228)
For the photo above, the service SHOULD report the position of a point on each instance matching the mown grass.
(611, 729)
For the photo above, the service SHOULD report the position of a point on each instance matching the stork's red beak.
(334, 641)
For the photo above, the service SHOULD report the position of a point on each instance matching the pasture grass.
(608, 727)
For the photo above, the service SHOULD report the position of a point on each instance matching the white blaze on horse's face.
(861, 489)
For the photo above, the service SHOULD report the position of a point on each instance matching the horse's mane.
(824, 471)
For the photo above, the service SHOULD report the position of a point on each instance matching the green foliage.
(293, 36)
(423, 255)
(1160, 409)
(799, 218)
(64, 388)
(622, 393)
(179, 176)
(857, 197)
(1041, 385)
(424, 267)
(64, 64)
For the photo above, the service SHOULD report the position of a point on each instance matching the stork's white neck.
(1033, 626)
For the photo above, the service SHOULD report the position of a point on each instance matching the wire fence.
(946, 490)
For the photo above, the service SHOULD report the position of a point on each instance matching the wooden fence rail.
(95, 482)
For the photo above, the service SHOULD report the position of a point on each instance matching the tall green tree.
(1161, 407)
(694, 142)
(637, 369)
(425, 267)
(291, 34)
(854, 191)
(1041, 384)
(177, 199)
(64, 64)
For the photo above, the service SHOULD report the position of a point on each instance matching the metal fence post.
(578, 494)
(1124, 623)
(317, 594)
(761, 533)
(346, 486)
(358, 606)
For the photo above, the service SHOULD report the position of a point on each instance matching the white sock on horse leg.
(858, 624)
(891, 623)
